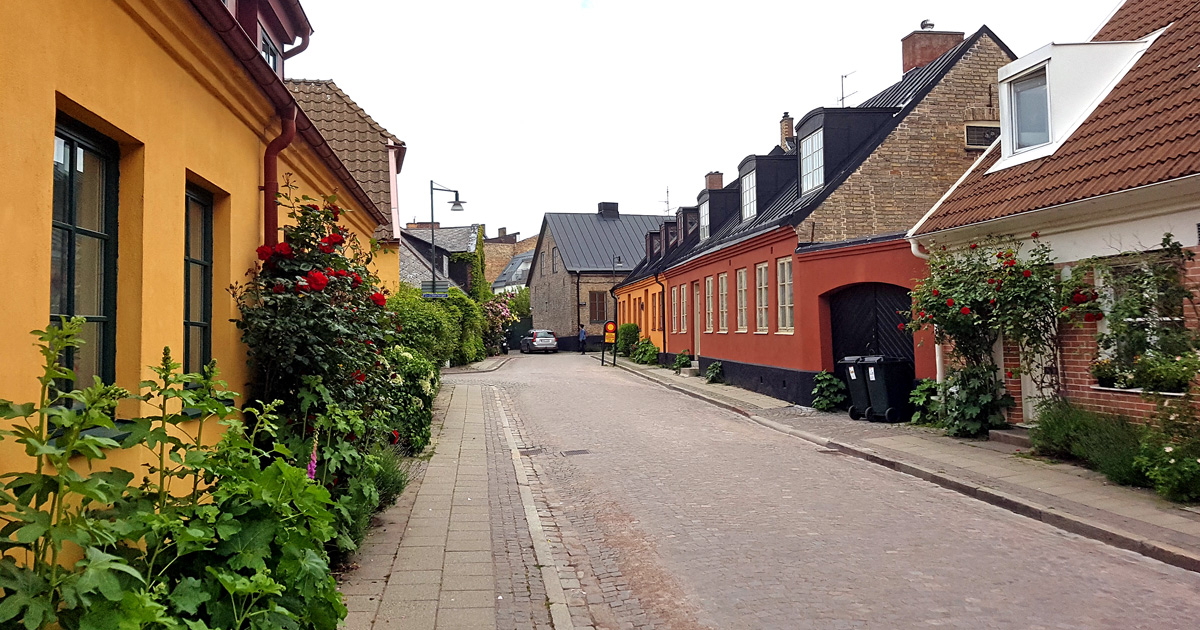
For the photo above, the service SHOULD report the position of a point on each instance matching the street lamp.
(456, 206)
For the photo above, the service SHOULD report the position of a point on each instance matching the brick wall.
(497, 255)
(552, 294)
(1077, 341)
(919, 161)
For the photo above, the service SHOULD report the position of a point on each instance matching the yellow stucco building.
(135, 142)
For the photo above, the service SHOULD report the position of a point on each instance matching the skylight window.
(1031, 110)
(812, 161)
(749, 196)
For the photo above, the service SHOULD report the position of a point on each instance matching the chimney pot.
(714, 180)
(502, 232)
(608, 210)
(924, 46)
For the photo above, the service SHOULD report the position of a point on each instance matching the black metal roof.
(789, 207)
(588, 242)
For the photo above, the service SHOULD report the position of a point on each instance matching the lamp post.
(456, 206)
(616, 262)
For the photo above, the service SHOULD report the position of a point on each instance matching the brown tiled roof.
(1146, 131)
(359, 141)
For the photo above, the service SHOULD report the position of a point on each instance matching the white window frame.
(812, 161)
(749, 186)
(723, 302)
(1014, 129)
(704, 221)
(683, 308)
(674, 309)
(762, 298)
(785, 322)
(708, 304)
(741, 300)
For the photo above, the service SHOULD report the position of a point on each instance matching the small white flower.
(1168, 449)
(1171, 462)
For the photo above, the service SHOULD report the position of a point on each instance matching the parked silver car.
(539, 341)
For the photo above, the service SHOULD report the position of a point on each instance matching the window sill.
(742, 331)
(786, 332)
(722, 332)
(1135, 390)
(761, 332)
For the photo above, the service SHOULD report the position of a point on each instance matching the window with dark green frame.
(197, 280)
(83, 246)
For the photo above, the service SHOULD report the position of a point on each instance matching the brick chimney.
(787, 130)
(714, 180)
(607, 210)
(424, 226)
(502, 232)
(924, 46)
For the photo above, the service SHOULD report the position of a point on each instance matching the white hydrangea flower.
(1168, 449)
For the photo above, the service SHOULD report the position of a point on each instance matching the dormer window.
(269, 51)
(749, 196)
(704, 221)
(812, 161)
(1031, 110)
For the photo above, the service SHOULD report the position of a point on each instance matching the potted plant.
(1106, 372)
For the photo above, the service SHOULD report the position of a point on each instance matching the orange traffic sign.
(610, 331)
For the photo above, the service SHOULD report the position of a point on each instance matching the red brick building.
(800, 259)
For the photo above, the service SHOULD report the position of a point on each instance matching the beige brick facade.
(560, 300)
(920, 159)
(497, 255)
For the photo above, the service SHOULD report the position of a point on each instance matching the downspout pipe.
(939, 357)
(662, 307)
(270, 185)
(296, 50)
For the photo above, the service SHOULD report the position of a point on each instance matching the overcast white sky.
(541, 106)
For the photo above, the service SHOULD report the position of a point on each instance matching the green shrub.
(393, 474)
(644, 352)
(1109, 444)
(714, 373)
(224, 535)
(926, 403)
(1172, 467)
(627, 336)
(974, 401)
(828, 393)
(1166, 374)
(424, 325)
(682, 360)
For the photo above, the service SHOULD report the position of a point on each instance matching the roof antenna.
(926, 25)
(842, 101)
(668, 201)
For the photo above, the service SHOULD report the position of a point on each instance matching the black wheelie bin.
(889, 382)
(856, 383)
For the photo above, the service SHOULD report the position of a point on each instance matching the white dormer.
(1046, 95)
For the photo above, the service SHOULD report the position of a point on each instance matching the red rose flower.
(329, 271)
(935, 293)
(973, 246)
(264, 252)
(922, 314)
(993, 301)
(336, 239)
(1009, 374)
(395, 436)
(336, 212)
(378, 298)
(1099, 316)
(278, 288)
(1078, 298)
(341, 273)
(1027, 273)
(357, 280)
(1089, 317)
(283, 249)
(301, 286)
(1034, 235)
(1064, 309)
(950, 302)
(900, 326)
(325, 248)
(358, 376)
(316, 280)
(991, 281)
(311, 206)
(965, 310)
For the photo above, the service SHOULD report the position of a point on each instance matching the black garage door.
(864, 321)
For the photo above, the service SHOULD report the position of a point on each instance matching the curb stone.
(1078, 525)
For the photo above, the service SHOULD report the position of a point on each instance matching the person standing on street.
(582, 340)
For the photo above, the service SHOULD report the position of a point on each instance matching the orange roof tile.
(1146, 131)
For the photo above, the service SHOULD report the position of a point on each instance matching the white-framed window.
(554, 260)
(812, 160)
(1030, 110)
(741, 300)
(683, 291)
(708, 305)
(723, 302)
(783, 280)
(749, 195)
(704, 220)
(762, 296)
(674, 309)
